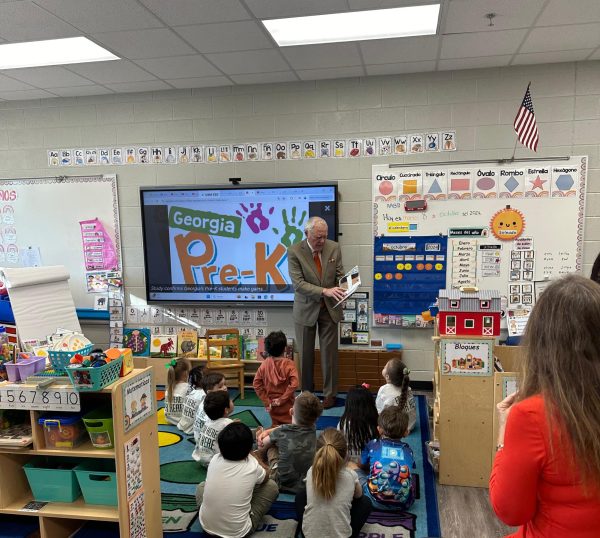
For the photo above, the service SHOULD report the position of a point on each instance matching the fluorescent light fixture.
(71, 50)
(355, 25)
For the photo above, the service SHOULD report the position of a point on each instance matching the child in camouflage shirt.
(290, 448)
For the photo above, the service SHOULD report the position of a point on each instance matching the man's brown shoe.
(328, 402)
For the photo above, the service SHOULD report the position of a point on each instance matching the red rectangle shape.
(460, 184)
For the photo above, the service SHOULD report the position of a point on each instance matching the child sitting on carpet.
(333, 497)
(217, 407)
(192, 401)
(210, 383)
(396, 391)
(177, 389)
(237, 493)
(386, 465)
(276, 380)
(290, 448)
(359, 421)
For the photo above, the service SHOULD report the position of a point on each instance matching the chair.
(225, 339)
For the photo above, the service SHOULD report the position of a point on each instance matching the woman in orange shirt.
(546, 474)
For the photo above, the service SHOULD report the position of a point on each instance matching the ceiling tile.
(114, 72)
(9, 84)
(79, 91)
(469, 15)
(482, 43)
(562, 12)
(321, 56)
(149, 43)
(384, 4)
(179, 67)
(25, 21)
(331, 72)
(581, 36)
(25, 95)
(398, 68)
(199, 82)
(178, 12)
(225, 37)
(273, 9)
(49, 77)
(252, 61)
(144, 86)
(474, 63)
(265, 78)
(551, 57)
(92, 16)
(404, 49)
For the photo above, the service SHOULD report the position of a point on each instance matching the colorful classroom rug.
(180, 474)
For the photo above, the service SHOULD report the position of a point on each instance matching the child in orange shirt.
(276, 380)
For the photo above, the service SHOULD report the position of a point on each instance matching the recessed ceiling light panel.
(71, 50)
(355, 25)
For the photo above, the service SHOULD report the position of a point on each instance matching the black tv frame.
(231, 186)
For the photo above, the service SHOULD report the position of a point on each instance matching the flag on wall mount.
(525, 124)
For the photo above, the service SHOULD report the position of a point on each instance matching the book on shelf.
(187, 343)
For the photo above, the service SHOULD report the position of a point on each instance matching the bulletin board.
(69, 221)
(509, 227)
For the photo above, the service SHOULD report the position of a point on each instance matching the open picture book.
(350, 282)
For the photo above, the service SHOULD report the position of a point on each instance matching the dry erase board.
(70, 221)
(509, 227)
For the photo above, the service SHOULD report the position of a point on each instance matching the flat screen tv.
(227, 244)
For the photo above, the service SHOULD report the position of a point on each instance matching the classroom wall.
(479, 104)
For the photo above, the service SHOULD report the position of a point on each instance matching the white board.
(44, 215)
(548, 195)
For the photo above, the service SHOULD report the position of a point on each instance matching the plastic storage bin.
(24, 368)
(52, 479)
(98, 481)
(93, 379)
(99, 425)
(60, 360)
(63, 431)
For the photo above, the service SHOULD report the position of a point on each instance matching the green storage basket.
(60, 360)
(91, 379)
(99, 425)
(53, 479)
(98, 481)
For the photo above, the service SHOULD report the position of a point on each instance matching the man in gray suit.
(315, 267)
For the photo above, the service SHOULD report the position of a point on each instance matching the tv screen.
(227, 244)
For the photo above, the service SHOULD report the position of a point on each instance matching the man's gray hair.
(312, 222)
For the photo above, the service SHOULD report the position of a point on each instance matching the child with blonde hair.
(177, 389)
(396, 391)
(333, 498)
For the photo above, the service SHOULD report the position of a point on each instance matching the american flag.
(525, 125)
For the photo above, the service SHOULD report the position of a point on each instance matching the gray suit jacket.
(307, 283)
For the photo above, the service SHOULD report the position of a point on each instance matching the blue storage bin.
(98, 481)
(6, 313)
(19, 526)
(52, 479)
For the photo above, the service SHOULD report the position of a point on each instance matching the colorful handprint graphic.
(293, 232)
(255, 219)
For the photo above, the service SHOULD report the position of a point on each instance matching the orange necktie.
(318, 263)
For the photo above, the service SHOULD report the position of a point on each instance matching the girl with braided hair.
(396, 391)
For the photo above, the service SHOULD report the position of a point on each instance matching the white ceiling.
(166, 44)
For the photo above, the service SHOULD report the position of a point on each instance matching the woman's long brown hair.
(562, 364)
